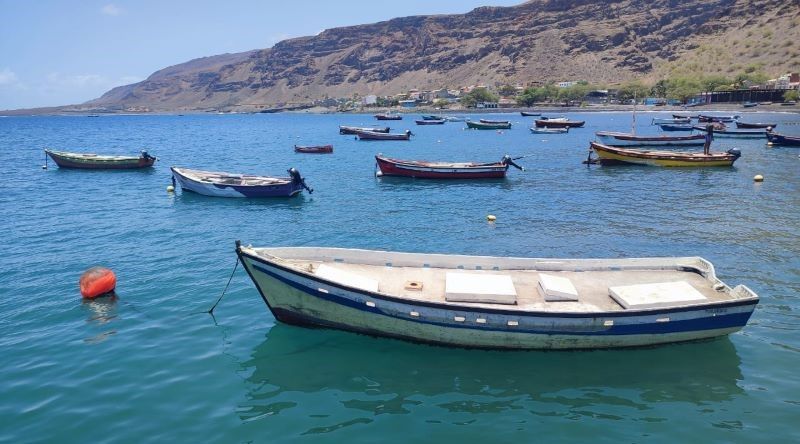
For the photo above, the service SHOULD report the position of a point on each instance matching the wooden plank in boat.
(483, 288)
(658, 295)
(348, 279)
(556, 288)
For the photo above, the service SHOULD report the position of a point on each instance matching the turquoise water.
(148, 367)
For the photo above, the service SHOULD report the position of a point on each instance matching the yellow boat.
(609, 155)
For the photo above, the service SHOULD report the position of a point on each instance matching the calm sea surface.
(147, 368)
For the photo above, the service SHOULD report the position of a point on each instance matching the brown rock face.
(538, 41)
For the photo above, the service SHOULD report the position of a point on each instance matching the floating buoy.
(97, 281)
(170, 189)
(44, 167)
(758, 178)
(769, 143)
(491, 218)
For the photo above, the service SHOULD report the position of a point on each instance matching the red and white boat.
(444, 170)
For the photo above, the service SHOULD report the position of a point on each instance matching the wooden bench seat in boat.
(339, 276)
(485, 288)
(657, 295)
(556, 288)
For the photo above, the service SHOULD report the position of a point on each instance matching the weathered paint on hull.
(296, 299)
(209, 189)
(390, 169)
(607, 158)
(101, 165)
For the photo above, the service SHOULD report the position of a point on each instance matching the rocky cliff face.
(538, 41)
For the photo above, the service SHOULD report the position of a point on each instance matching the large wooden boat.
(355, 129)
(753, 125)
(610, 155)
(444, 170)
(627, 139)
(488, 126)
(430, 122)
(498, 302)
(780, 139)
(369, 135)
(738, 133)
(89, 161)
(388, 116)
(559, 123)
(320, 149)
(219, 184)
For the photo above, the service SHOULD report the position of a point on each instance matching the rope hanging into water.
(211, 311)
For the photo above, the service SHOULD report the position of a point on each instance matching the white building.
(370, 99)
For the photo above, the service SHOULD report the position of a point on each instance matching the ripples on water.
(145, 367)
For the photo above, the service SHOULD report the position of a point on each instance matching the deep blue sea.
(151, 367)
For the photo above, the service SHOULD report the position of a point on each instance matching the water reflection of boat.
(390, 376)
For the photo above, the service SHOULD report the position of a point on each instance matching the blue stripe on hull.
(721, 321)
(264, 191)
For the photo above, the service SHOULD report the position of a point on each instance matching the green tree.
(683, 88)
(712, 83)
(633, 89)
(532, 95)
(440, 103)
(507, 91)
(476, 96)
(573, 93)
(791, 95)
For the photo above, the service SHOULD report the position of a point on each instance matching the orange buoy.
(97, 281)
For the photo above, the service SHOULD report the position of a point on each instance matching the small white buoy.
(170, 189)
(44, 167)
(491, 218)
(769, 143)
(758, 178)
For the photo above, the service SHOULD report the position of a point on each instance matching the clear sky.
(58, 52)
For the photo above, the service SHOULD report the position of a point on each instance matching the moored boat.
(780, 139)
(488, 126)
(388, 116)
(672, 121)
(90, 161)
(430, 122)
(752, 125)
(721, 119)
(369, 135)
(355, 129)
(219, 184)
(454, 118)
(610, 155)
(681, 116)
(559, 123)
(749, 104)
(444, 170)
(738, 133)
(529, 114)
(432, 117)
(681, 127)
(498, 302)
(494, 121)
(319, 149)
(627, 139)
(546, 130)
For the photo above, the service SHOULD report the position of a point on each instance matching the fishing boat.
(454, 118)
(751, 125)
(498, 302)
(723, 119)
(219, 184)
(546, 130)
(488, 126)
(672, 121)
(681, 116)
(430, 122)
(320, 149)
(559, 123)
(780, 139)
(738, 133)
(494, 121)
(627, 139)
(444, 170)
(610, 155)
(355, 129)
(749, 104)
(369, 135)
(529, 114)
(432, 117)
(388, 116)
(681, 127)
(90, 161)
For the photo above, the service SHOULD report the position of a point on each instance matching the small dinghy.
(355, 129)
(536, 130)
(679, 127)
(498, 302)
(749, 125)
(488, 126)
(320, 149)
(388, 116)
(529, 114)
(444, 170)
(430, 122)
(218, 184)
(758, 133)
(672, 121)
(559, 123)
(370, 135)
(780, 139)
(89, 161)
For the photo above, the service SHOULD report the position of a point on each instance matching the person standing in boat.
(709, 138)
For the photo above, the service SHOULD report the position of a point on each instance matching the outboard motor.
(507, 160)
(408, 132)
(735, 152)
(298, 179)
(146, 155)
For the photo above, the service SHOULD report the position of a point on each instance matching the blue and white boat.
(497, 302)
(670, 121)
(218, 184)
